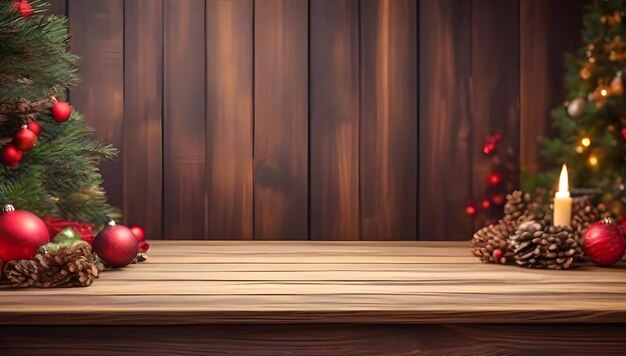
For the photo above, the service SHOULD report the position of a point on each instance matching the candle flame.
(563, 180)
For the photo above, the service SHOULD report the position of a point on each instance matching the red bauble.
(11, 156)
(21, 233)
(24, 8)
(34, 126)
(486, 204)
(623, 132)
(61, 111)
(25, 139)
(604, 243)
(116, 245)
(494, 179)
(470, 210)
(497, 256)
(138, 231)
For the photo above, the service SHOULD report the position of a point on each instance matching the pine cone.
(553, 247)
(490, 238)
(55, 265)
(515, 206)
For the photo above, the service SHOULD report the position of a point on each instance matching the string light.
(604, 92)
(579, 149)
(586, 141)
(593, 161)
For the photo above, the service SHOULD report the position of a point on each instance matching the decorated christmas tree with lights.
(51, 200)
(591, 126)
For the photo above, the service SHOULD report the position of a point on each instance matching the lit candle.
(563, 201)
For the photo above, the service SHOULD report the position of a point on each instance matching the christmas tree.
(591, 126)
(48, 158)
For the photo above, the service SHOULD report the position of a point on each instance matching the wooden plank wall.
(313, 119)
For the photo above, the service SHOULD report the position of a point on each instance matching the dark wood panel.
(58, 7)
(445, 119)
(184, 120)
(281, 119)
(143, 151)
(229, 118)
(548, 29)
(318, 339)
(334, 120)
(98, 38)
(495, 92)
(388, 142)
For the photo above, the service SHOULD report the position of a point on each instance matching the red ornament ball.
(494, 179)
(138, 231)
(623, 132)
(116, 245)
(34, 126)
(25, 139)
(470, 210)
(21, 233)
(11, 156)
(604, 243)
(24, 8)
(61, 111)
(486, 204)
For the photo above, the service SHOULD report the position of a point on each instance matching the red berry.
(138, 231)
(486, 203)
(11, 156)
(23, 8)
(61, 111)
(25, 139)
(497, 255)
(494, 179)
(34, 126)
(470, 210)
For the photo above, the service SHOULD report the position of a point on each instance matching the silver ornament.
(576, 107)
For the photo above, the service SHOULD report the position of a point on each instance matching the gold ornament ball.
(576, 107)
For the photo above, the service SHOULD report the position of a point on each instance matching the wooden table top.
(193, 282)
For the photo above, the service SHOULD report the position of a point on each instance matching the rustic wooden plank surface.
(98, 38)
(143, 119)
(316, 339)
(445, 118)
(229, 136)
(334, 120)
(548, 29)
(388, 137)
(193, 282)
(184, 199)
(281, 119)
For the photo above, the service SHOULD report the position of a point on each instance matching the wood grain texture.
(388, 140)
(445, 119)
(281, 119)
(334, 120)
(495, 93)
(548, 29)
(98, 38)
(229, 136)
(260, 282)
(184, 166)
(143, 120)
(316, 339)
(58, 7)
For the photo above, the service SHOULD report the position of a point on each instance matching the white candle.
(563, 201)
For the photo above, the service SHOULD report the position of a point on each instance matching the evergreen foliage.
(60, 175)
(593, 77)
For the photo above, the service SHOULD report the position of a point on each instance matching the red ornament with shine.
(34, 126)
(494, 179)
(21, 233)
(498, 199)
(25, 139)
(116, 245)
(11, 156)
(470, 210)
(61, 111)
(141, 238)
(604, 243)
(24, 8)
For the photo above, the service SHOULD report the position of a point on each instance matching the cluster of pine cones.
(526, 236)
(56, 265)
